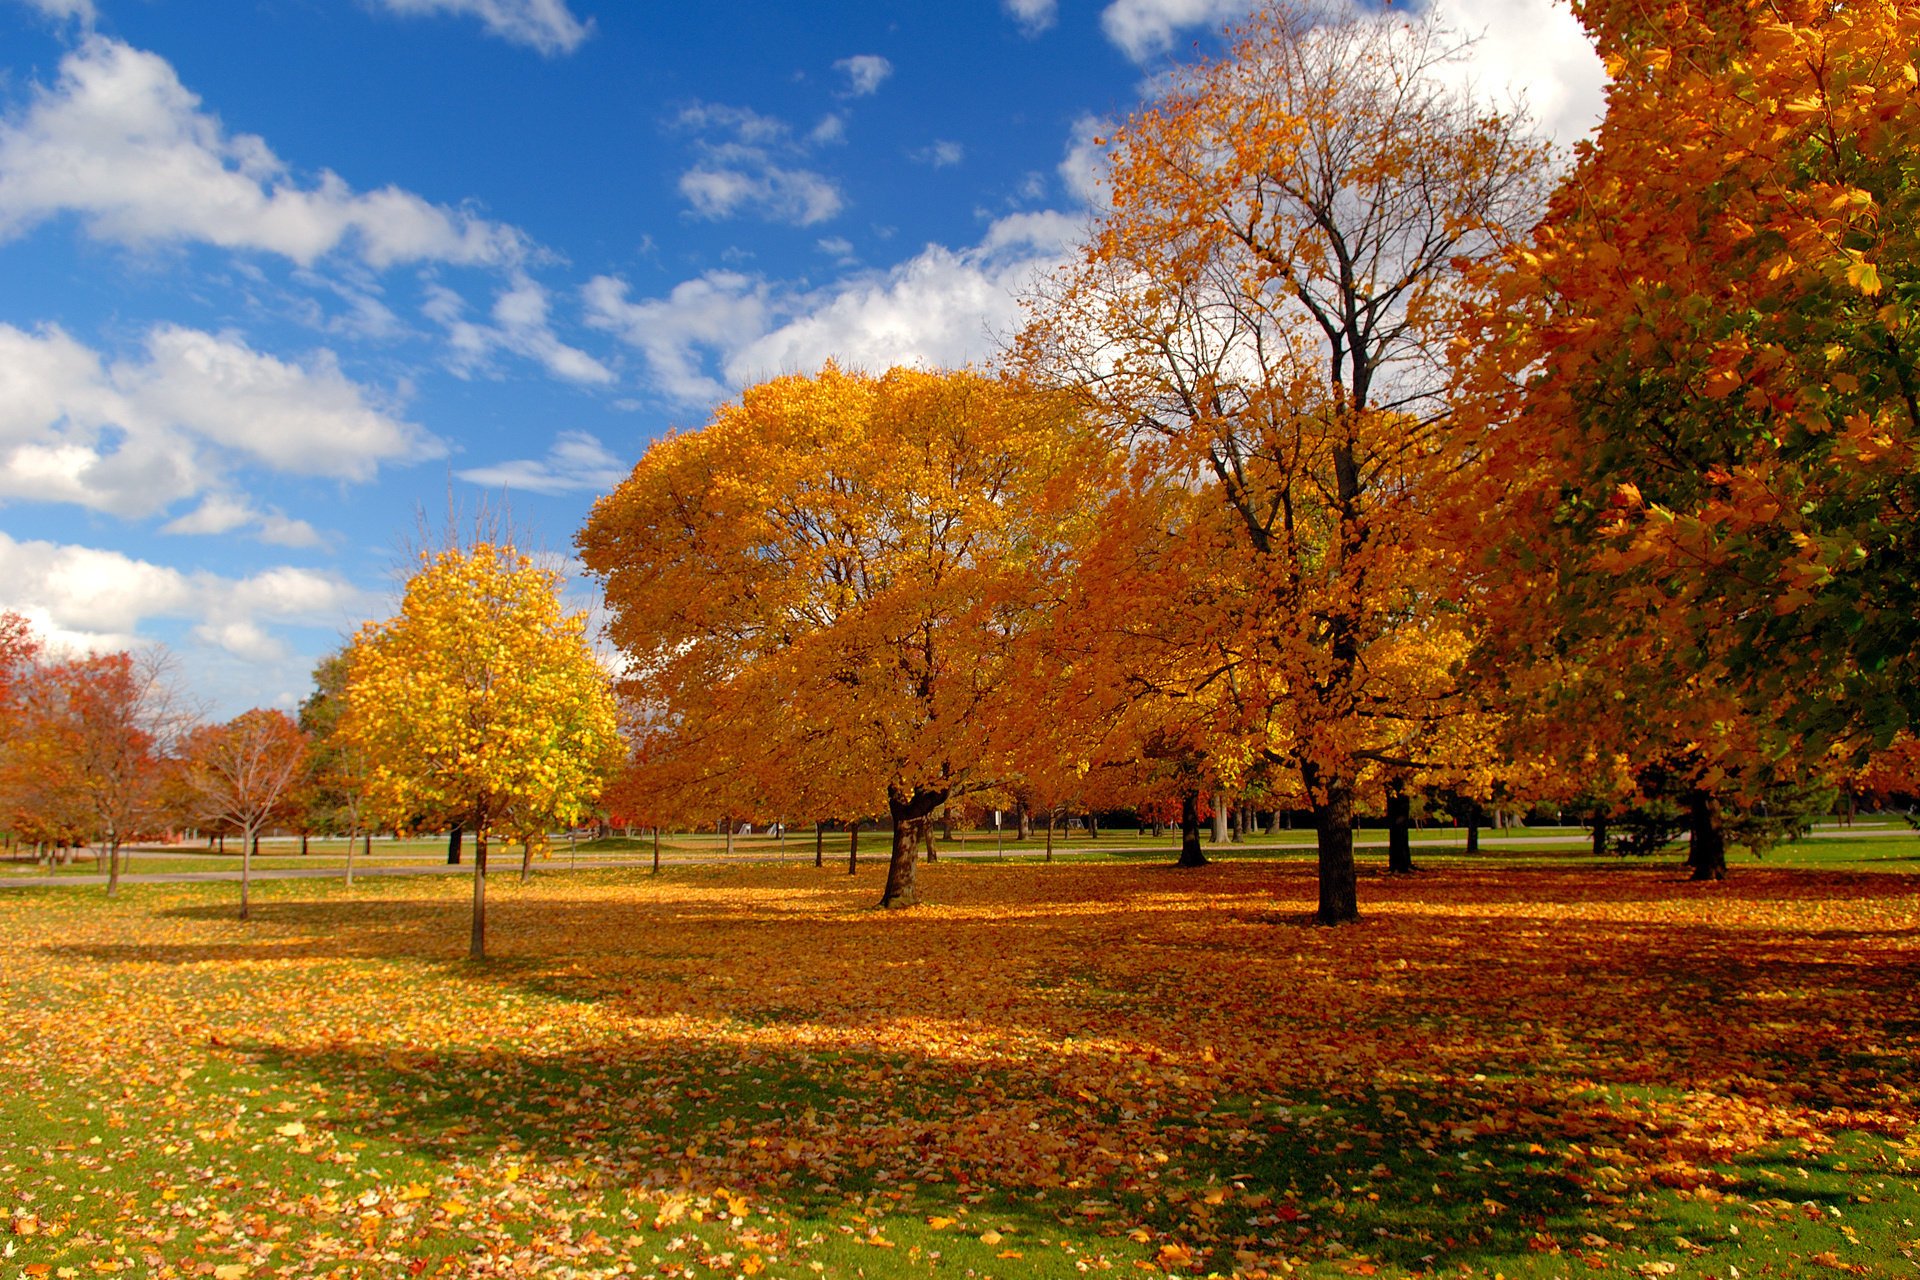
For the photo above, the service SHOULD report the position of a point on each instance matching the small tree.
(480, 698)
(244, 772)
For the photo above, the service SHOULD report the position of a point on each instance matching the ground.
(1528, 1066)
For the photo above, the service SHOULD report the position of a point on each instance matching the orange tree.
(1263, 317)
(243, 774)
(1700, 386)
(819, 592)
(481, 698)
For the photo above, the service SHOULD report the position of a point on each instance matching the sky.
(285, 284)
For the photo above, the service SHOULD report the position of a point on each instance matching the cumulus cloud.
(1531, 50)
(1034, 16)
(865, 73)
(520, 325)
(119, 143)
(942, 307)
(89, 598)
(81, 11)
(1084, 168)
(751, 163)
(577, 463)
(940, 153)
(139, 434)
(544, 25)
(221, 513)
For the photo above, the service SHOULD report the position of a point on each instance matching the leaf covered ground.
(1046, 1071)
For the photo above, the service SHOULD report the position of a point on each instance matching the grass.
(1528, 1067)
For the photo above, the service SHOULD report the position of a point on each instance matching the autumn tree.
(1698, 391)
(1263, 319)
(482, 698)
(243, 774)
(822, 588)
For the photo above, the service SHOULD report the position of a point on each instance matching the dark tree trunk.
(477, 939)
(303, 844)
(366, 843)
(1599, 834)
(1093, 826)
(222, 838)
(1473, 827)
(1190, 855)
(1339, 889)
(1399, 833)
(912, 813)
(933, 854)
(819, 844)
(1049, 835)
(656, 848)
(453, 846)
(1706, 840)
(1025, 820)
(853, 847)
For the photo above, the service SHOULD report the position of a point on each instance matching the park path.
(439, 867)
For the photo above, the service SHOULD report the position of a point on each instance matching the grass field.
(1533, 1066)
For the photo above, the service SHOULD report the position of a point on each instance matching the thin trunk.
(113, 864)
(729, 837)
(912, 814)
(477, 940)
(303, 844)
(1339, 888)
(1599, 834)
(1219, 817)
(1399, 833)
(656, 848)
(1190, 854)
(1049, 835)
(1706, 838)
(247, 844)
(1093, 825)
(222, 838)
(819, 844)
(256, 844)
(453, 846)
(366, 843)
(351, 833)
(853, 847)
(526, 860)
(1473, 826)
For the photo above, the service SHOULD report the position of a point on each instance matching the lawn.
(1514, 1068)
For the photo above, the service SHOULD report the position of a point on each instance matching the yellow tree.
(820, 592)
(1264, 317)
(481, 698)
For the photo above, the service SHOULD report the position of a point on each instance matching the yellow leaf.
(230, 1271)
(990, 1237)
(292, 1129)
(939, 1223)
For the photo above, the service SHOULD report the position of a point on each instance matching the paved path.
(437, 866)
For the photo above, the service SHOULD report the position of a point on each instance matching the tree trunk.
(526, 860)
(1237, 824)
(946, 823)
(1706, 839)
(853, 847)
(1599, 834)
(247, 842)
(1399, 833)
(351, 836)
(729, 837)
(1093, 826)
(1339, 889)
(453, 846)
(1473, 826)
(477, 940)
(911, 814)
(819, 844)
(933, 854)
(656, 848)
(1219, 817)
(1190, 854)
(303, 844)
(1049, 835)
(1025, 820)
(366, 843)
(222, 838)
(113, 864)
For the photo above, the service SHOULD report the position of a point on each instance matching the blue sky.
(279, 277)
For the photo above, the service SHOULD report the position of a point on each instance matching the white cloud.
(520, 325)
(220, 513)
(1084, 169)
(1034, 16)
(1533, 50)
(61, 10)
(747, 165)
(865, 73)
(578, 462)
(943, 307)
(708, 313)
(136, 436)
(99, 599)
(546, 25)
(122, 145)
(940, 153)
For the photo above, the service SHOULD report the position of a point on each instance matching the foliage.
(1703, 372)
(480, 699)
(1537, 1072)
(821, 593)
(1261, 319)
(243, 774)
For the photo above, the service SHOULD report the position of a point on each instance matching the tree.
(1699, 392)
(333, 793)
(482, 698)
(1263, 318)
(242, 774)
(820, 591)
